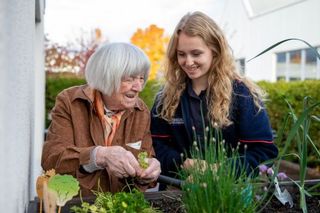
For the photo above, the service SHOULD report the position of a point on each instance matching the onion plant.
(298, 128)
(298, 132)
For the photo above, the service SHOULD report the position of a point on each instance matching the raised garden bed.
(170, 201)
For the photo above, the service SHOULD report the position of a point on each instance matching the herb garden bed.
(170, 201)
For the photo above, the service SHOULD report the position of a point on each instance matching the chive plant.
(216, 182)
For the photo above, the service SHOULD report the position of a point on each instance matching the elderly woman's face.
(127, 95)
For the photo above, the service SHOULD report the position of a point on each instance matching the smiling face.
(127, 95)
(194, 56)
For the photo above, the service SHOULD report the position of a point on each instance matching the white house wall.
(22, 101)
(249, 36)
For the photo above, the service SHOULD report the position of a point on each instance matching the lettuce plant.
(63, 187)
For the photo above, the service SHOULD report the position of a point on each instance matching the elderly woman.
(98, 130)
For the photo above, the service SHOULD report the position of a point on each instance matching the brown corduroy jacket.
(76, 130)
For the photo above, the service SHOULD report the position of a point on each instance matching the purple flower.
(270, 171)
(282, 176)
(263, 168)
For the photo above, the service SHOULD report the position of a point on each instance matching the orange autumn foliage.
(153, 41)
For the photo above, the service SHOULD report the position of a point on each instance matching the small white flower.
(204, 185)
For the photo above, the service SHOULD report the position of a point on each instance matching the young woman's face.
(194, 56)
(127, 95)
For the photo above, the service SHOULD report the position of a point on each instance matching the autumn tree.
(153, 41)
(71, 57)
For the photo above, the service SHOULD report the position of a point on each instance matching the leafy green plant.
(294, 92)
(118, 203)
(299, 128)
(299, 131)
(64, 187)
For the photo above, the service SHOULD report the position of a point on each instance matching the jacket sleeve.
(59, 150)
(164, 145)
(255, 133)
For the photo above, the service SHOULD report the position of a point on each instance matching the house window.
(294, 65)
(241, 65)
(299, 64)
(312, 65)
(281, 66)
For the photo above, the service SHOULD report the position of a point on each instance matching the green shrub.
(55, 83)
(148, 94)
(294, 93)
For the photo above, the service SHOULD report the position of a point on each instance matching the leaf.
(289, 39)
(43, 179)
(64, 187)
(39, 186)
(142, 159)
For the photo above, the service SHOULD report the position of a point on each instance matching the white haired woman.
(98, 129)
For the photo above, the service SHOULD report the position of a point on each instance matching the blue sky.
(67, 20)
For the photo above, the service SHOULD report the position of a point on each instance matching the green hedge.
(294, 92)
(55, 83)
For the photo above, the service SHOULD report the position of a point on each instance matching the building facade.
(22, 86)
(253, 25)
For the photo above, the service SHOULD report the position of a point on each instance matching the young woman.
(203, 88)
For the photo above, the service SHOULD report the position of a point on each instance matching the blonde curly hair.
(221, 74)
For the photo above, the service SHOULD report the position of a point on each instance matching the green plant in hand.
(118, 203)
(142, 159)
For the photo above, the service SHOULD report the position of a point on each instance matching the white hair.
(111, 62)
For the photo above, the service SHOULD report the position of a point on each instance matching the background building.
(22, 82)
(254, 25)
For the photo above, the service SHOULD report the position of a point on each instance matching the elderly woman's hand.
(151, 173)
(118, 161)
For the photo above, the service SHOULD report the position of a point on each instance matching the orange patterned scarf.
(110, 123)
